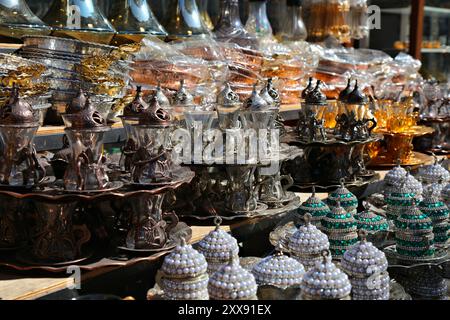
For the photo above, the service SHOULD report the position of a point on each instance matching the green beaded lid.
(434, 208)
(415, 221)
(401, 196)
(338, 220)
(370, 221)
(347, 199)
(314, 206)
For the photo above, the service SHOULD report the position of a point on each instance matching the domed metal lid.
(357, 97)
(77, 104)
(326, 281)
(271, 94)
(413, 184)
(316, 96)
(218, 245)
(308, 88)
(17, 112)
(413, 219)
(183, 97)
(184, 262)
(232, 282)
(339, 220)
(161, 97)
(343, 96)
(227, 97)
(256, 102)
(395, 175)
(136, 107)
(363, 259)
(314, 206)
(88, 118)
(155, 116)
(308, 240)
(400, 195)
(433, 206)
(279, 270)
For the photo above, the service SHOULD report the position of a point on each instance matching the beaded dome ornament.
(367, 268)
(341, 228)
(316, 208)
(400, 199)
(347, 200)
(393, 177)
(414, 185)
(217, 247)
(232, 282)
(183, 274)
(414, 235)
(279, 270)
(370, 221)
(434, 173)
(307, 244)
(325, 281)
(438, 212)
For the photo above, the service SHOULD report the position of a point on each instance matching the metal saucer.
(24, 256)
(440, 256)
(111, 186)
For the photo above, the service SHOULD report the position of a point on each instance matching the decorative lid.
(370, 221)
(227, 97)
(343, 96)
(308, 89)
(17, 112)
(279, 270)
(256, 102)
(400, 195)
(183, 97)
(218, 246)
(433, 207)
(434, 173)
(339, 221)
(137, 106)
(161, 97)
(308, 240)
(184, 262)
(413, 184)
(347, 199)
(272, 94)
(77, 104)
(155, 115)
(314, 206)
(395, 175)
(446, 193)
(326, 281)
(316, 96)
(232, 282)
(357, 97)
(88, 118)
(414, 221)
(363, 259)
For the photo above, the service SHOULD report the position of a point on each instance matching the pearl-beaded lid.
(363, 259)
(434, 173)
(279, 270)
(370, 221)
(394, 175)
(325, 281)
(232, 282)
(308, 240)
(414, 185)
(347, 199)
(314, 206)
(184, 262)
(218, 245)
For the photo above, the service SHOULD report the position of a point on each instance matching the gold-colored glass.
(81, 20)
(184, 20)
(17, 20)
(133, 20)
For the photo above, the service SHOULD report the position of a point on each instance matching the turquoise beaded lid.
(400, 198)
(438, 212)
(347, 199)
(370, 221)
(414, 234)
(316, 208)
(341, 228)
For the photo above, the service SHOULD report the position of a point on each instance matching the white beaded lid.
(434, 173)
(184, 262)
(446, 193)
(279, 270)
(218, 246)
(232, 282)
(394, 175)
(414, 185)
(308, 240)
(363, 259)
(326, 281)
